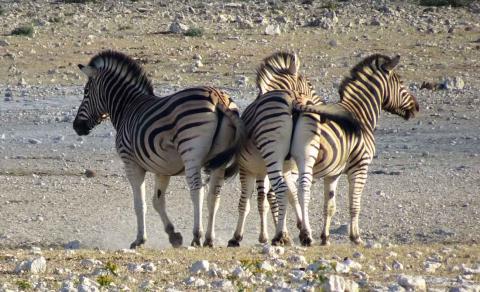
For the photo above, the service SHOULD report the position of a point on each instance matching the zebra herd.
(286, 131)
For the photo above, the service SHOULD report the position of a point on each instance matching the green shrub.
(25, 30)
(453, 3)
(2, 11)
(23, 284)
(111, 267)
(104, 280)
(194, 32)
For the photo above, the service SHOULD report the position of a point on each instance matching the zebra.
(373, 85)
(269, 123)
(168, 136)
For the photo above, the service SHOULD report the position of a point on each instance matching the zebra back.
(280, 71)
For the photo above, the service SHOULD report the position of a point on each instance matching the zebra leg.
(293, 198)
(262, 208)
(305, 167)
(213, 198)
(280, 188)
(272, 201)
(248, 184)
(136, 177)
(161, 184)
(194, 180)
(356, 182)
(329, 206)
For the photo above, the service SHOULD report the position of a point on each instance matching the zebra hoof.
(305, 238)
(325, 240)
(176, 239)
(233, 243)
(262, 239)
(356, 240)
(137, 243)
(196, 243)
(208, 242)
(282, 239)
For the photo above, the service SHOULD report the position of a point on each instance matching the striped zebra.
(373, 85)
(171, 135)
(269, 122)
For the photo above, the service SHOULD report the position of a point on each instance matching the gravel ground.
(423, 184)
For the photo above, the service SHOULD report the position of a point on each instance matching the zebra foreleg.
(194, 180)
(329, 206)
(216, 182)
(161, 184)
(136, 177)
(248, 183)
(262, 184)
(356, 181)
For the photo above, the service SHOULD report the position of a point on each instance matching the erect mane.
(276, 65)
(374, 62)
(110, 59)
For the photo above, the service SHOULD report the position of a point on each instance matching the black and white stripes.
(171, 135)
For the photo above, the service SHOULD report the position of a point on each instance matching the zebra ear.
(88, 70)
(295, 65)
(392, 64)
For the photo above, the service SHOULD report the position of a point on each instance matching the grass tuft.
(2, 11)
(105, 280)
(23, 284)
(194, 32)
(24, 30)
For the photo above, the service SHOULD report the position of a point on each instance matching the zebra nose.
(81, 127)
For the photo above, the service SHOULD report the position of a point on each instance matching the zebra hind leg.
(248, 184)
(356, 181)
(216, 182)
(280, 188)
(161, 184)
(194, 180)
(262, 184)
(136, 177)
(329, 206)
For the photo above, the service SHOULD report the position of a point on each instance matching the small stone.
(35, 266)
(431, 267)
(358, 255)
(372, 244)
(265, 266)
(90, 263)
(134, 268)
(149, 267)
(222, 285)
(333, 43)
(4, 43)
(338, 283)
(414, 283)
(177, 27)
(195, 282)
(74, 244)
(200, 267)
(397, 265)
(272, 29)
(273, 250)
(34, 141)
(453, 83)
(297, 260)
(90, 173)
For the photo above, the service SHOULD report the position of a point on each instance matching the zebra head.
(92, 110)
(397, 100)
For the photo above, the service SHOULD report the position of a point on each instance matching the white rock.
(265, 266)
(297, 260)
(34, 266)
(397, 265)
(195, 282)
(451, 83)
(147, 285)
(352, 265)
(178, 27)
(321, 264)
(415, 283)
(297, 275)
(273, 250)
(90, 263)
(134, 268)
(200, 267)
(431, 267)
(272, 29)
(336, 283)
(239, 273)
(372, 244)
(149, 267)
(222, 284)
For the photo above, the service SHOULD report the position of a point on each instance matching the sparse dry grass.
(173, 264)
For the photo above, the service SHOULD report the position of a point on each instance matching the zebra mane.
(275, 66)
(374, 61)
(110, 59)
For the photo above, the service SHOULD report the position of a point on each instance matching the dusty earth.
(423, 186)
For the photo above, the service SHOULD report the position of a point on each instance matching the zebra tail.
(333, 112)
(226, 156)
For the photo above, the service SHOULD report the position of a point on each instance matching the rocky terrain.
(421, 205)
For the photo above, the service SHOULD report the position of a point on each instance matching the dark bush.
(25, 30)
(453, 3)
(194, 32)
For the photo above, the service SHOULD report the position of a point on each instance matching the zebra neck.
(365, 107)
(121, 103)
